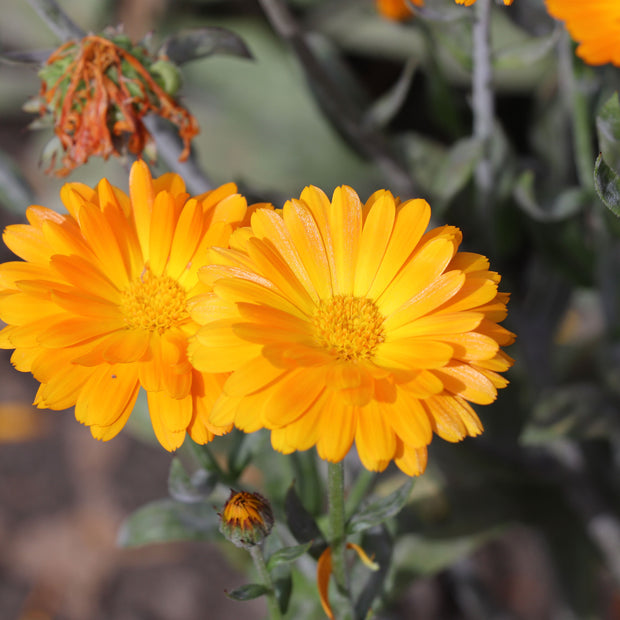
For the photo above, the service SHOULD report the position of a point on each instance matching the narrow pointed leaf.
(167, 520)
(188, 45)
(247, 592)
(302, 523)
(288, 554)
(380, 510)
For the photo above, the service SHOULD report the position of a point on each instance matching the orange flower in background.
(470, 2)
(397, 10)
(98, 91)
(594, 24)
(98, 307)
(343, 322)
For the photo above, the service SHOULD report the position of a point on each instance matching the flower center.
(154, 303)
(349, 327)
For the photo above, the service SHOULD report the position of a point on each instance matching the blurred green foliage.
(549, 456)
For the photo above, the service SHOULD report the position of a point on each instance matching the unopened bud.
(247, 519)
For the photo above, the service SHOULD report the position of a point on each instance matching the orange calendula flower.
(397, 10)
(99, 306)
(97, 92)
(247, 519)
(595, 25)
(343, 322)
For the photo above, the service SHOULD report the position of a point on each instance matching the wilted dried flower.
(97, 92)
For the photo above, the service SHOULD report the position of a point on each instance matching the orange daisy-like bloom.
(397, 10)
(595, 25)
(98, 308)
(345, 322)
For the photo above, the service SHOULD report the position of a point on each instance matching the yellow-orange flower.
(595, 25)
(397, 10)
(345, 322)
(98, 307)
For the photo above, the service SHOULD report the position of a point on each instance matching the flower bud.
(247, 519)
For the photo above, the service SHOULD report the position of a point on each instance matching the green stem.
(578, 112)
(256, 551)
(337, 538)
(483, 106)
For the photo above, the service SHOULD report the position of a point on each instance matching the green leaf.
(384, 109)
(607, 185)
(567, 204)
(579, 411)
(247, 592)
(188, 45)
(456, 169)
(380, 510)
(283, 587)
(167, 520)
(525, 53)
(308, 481)
(608, 129)
(184, 488)
(302, 523)
(288, 554)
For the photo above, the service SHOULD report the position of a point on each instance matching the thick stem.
(335, 494)
(482, 101)
(256, 552)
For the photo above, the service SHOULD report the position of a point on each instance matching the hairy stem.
(256, 552)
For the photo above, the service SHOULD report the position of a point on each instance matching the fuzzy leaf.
(608, 129)
(288, 554)
(457, 168)
(388, 105)
(188, 45)
(283, 587)
(189, 489)
(247, 592)
(167, 520)
(607, 185)
(525, 53)
(567, 204)
(302, 523)
(380, 510)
